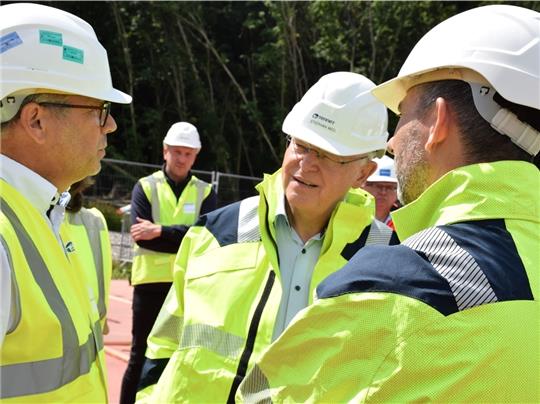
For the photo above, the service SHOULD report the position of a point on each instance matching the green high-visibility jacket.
(54, 349)
(450, 315)
(152, 266)
(227, 291)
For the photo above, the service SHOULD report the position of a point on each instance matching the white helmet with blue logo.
(385, 172)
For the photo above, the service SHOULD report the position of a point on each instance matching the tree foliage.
(234, 69)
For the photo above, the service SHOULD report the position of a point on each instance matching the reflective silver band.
(379, 233)
(248, 220)
(93, 226)
(255, 387)
(212, 338)
(467, 281)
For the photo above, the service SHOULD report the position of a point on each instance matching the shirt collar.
(281, 215)
(36, 189)
(280, 210)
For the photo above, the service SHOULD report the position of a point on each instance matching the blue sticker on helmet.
(385, 172)
(73, 54)
(9, 41)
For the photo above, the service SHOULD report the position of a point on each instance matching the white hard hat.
(385, 170)
(496, 46)
(49, 49)
(183, 134)
(339, 115)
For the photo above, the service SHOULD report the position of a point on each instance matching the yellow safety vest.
(450, 316)
(54, 350)
(228, 292)
(151, 266)
(88, 247)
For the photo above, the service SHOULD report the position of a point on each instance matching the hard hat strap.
(503, 120)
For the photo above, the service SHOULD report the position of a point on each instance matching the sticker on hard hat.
(322, 121)
(73, 54)
(384, 172)
(50, 38)
(9, 41)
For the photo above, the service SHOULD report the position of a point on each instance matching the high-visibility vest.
(450, 315)
(88, 246)
(151, 266)
(228, 291)
(53, 351)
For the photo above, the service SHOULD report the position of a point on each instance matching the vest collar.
(503, 189)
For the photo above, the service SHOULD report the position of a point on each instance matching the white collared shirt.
(41, 194)
(296, 263)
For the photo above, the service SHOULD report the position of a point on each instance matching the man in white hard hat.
(382, 184)
(451, 314)
(55, 99)
(242, 274)
(163, 207)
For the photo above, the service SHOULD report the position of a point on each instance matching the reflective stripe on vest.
(42, 376)
(379, 233)
(467, 281)
(15, 312)
(255, 387)
(221, 342)
(248, 220)
(93, 226)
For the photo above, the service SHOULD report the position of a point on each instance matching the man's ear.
(439, 128)
(365, 171)
(32, 119)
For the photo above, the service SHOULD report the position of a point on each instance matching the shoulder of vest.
(155, 176)
(376, 233)
(234, 223)
(450, 268)
(197, 182)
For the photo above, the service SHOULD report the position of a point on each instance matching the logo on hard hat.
(322, 121)
(322, 118)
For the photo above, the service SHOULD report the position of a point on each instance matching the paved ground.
(118, 341)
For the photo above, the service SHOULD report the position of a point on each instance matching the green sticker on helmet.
(50, 38)
(73, 54)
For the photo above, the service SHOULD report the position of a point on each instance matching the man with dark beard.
(451, 314)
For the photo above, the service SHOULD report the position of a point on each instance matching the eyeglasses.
(382, 186)
(303, 149)
(104, 109)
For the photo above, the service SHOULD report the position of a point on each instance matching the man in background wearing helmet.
(55, 97)
(245, 270)
(451, 314)
(163, 207)
(382, 184)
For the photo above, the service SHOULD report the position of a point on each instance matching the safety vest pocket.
(235, 257)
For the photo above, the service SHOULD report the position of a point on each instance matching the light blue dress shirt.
(296, 263)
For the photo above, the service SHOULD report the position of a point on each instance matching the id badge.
(189, 208)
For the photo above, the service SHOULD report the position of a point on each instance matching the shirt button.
(303, 250)
(297, 287)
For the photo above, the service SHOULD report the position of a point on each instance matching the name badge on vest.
(189, 208)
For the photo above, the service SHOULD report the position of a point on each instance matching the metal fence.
(115, 182)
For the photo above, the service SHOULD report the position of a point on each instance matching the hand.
(145, 230)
